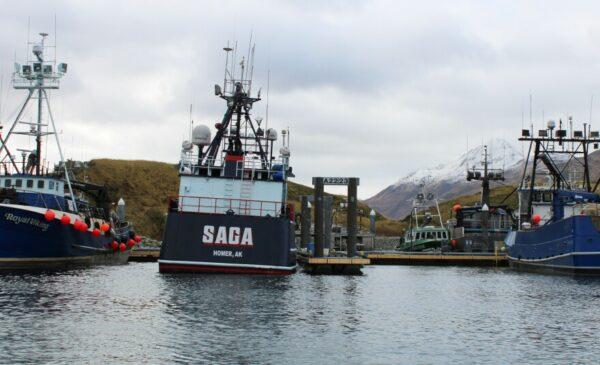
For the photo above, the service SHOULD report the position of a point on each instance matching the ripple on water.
(133, 314)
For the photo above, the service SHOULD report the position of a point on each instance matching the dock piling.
(352, 213)
(318, 200)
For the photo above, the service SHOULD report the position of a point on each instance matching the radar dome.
(284, 151)
(201, 135)
(271, 134)
(38, 50)
(186, 145)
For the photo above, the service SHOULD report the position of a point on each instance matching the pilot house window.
(19, 183)
(50, 185)
(7, 183)
(29, 183)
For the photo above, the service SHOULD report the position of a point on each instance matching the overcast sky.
(373, 89)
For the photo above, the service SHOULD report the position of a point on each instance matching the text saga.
(221, 235)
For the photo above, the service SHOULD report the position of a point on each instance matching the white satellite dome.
(201, 135)
(271, 134)
(186, 145)
(38, 49)
(551, 124)
(284, 151)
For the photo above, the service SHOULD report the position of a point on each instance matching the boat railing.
(199, 204)
(48, 201)
(189, 165)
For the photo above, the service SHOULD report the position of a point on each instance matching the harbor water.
(392, 314)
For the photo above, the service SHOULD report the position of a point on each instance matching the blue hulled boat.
(559, 211)
(46, 218)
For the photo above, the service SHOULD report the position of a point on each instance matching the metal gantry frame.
(556, 142)
(37, 79)
(352, 184)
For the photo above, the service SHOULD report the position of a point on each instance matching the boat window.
(547, 197)
(40, 184)
(418, 237)
(19, 183)
(29, 183)
(50, 185)
(7, 183)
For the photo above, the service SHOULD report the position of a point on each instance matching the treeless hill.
(146, 186)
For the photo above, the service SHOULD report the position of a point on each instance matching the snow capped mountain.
(447, 180)
(501, 154)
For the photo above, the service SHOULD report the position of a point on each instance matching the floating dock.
(436, 258)
(144, 254)
(333, 265)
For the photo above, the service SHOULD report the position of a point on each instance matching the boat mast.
(37, 76)
(485, 175)
(236, 91)
(550, 142)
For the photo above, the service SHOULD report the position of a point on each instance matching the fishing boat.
(481, 227)
(47, 219)
(559, 217)
(426, 231)
(231, 214)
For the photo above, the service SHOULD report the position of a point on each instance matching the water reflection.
(133, 314)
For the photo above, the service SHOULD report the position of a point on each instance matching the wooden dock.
(423, 258)
(144, 254)
(333, 265)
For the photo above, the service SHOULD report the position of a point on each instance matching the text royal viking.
(221, 235)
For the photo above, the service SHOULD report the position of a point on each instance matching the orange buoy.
(83, 227)
(130, 243)
(65, 219)
(137, 238)
(536, 219)
(114, 245)
(122, 247)
(49, 215)
(96, 232)
(453, 243)
(76, 225)
(456, 208)
(104, 227)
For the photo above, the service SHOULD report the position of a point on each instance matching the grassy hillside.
(146, 185)
(497, 196)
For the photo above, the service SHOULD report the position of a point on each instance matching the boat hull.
(571, 245)
(28, 241)
(233, 244)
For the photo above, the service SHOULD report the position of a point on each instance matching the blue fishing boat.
(48, 220)
(559, 211)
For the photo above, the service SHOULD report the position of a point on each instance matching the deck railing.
(200, 204)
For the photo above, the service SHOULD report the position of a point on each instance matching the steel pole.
(305, 222)
(352, 213)
(318, 202)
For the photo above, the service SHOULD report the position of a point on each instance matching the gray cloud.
(368, 88)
